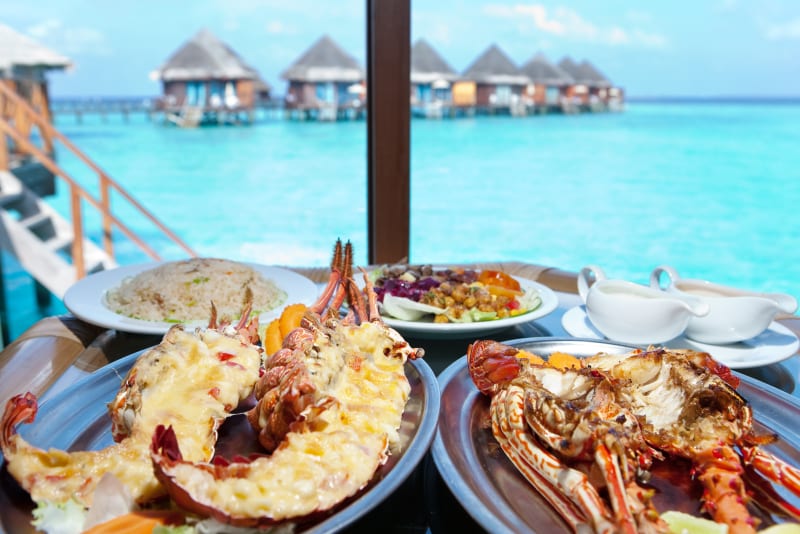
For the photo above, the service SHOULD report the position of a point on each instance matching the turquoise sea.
(710, 188)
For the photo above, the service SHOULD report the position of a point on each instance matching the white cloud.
(45, 28)
(276, 27)
(70, 40)
(787, 30)
(440, 33)
(567, 23)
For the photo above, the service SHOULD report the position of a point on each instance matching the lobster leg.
(373, 314)
(609, 466)
(720, 472)
(773, 468)
(765, 496)
(508, 415)
(334, 280)
(566, 509)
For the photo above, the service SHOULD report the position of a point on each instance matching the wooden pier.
(153, 109)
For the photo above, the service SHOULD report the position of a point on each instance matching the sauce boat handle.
(584, 277)
(655, 276)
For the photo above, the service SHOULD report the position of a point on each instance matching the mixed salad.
(452, 295)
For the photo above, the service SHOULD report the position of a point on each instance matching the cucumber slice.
(407, 309)
(682, 523)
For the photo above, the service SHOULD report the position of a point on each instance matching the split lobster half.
(620, 413)
(329, 408)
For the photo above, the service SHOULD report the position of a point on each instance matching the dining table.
(58, 351)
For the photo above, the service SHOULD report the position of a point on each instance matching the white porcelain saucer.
(776, 344)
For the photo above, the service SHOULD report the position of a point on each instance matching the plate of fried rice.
(149, 298)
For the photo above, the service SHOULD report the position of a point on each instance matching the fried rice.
(182, 291)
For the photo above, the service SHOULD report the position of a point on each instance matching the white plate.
(86, 298)
(776, 344)
(426, 328)
(77, 419)
(491, 489)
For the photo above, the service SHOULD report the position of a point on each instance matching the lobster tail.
(19, 409)
(492, 365)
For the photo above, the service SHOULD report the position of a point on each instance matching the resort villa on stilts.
(591, 90)
(207, 82)
(432, 84)
(548, 87)
(499, 83)
(325, 83)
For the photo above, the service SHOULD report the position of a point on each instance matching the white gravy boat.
(632, 313)
(734, 314)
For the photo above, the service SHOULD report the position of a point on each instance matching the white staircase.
(41, 239)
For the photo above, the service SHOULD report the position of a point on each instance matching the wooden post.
(40, 103)
(388, 115)
(4, 334)
(5, 158)
(105, 202)
(77, 230)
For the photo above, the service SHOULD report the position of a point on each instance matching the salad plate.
(425, 328)
(775, 344)
(491, 489)
(76, 418)
(86, 298)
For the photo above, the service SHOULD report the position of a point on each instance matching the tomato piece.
(498, 278)
(503, 291)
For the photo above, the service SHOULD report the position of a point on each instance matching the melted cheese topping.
(190, 381)
(337, 451)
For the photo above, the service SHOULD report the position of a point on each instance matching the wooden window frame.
(388, 130)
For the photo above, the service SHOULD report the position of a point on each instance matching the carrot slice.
(290, 318)
(137, 522)
(533, 358)
(562, 360)
(272, 337)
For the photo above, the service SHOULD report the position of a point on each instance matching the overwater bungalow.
(591, 89)
(548, 90)
(24, 64)
(499, 83)
(578, 93)
(207, 82)
(432, 79)
(325, 83)
(602, 92)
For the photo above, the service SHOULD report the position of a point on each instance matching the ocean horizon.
(707, 186)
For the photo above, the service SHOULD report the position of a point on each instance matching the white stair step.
(33, 222)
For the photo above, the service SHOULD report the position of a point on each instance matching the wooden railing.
(24, 117)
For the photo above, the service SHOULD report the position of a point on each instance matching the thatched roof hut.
(498, 82)
(206, 81)
(597, 78)
(325, 61)
(541, 71)
(578, 74)
(494, 67)
(432, 79)
(584, 74)
(325, 82)
(22, 57)
(549, 84)
(23, 67)
(428, 67)
(205, 57)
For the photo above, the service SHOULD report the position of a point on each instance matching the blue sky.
(666, 48)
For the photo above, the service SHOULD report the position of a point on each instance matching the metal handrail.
(77, 192)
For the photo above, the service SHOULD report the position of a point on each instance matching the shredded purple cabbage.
(414, 290)
(409, 290)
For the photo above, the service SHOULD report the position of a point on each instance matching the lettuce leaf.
(65, 517)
